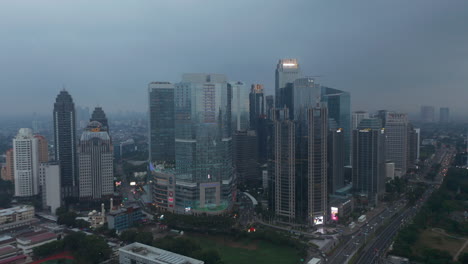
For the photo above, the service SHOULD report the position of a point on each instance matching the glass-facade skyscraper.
(65, 143)
(339, 109)
(239, 106)
(161, 122)
(203, 143)
(287, 71)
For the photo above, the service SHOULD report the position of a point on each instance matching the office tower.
(317, 161)
(287, 71)
(396, 130)
(284, 165)
(427, 114)
(26, 163)
(43, 148)
(270, 104)
(203, 143)
(8, 174)
(382, 115)
(49, 177)
(357, 117)
(413, 145)
(444, 116)
(339, 109)
(239, 106)
(65, 143)
(336, 159)
(305, 94)
(161, 122)
(256, 105)
(99, 116)
(96, 171)
(369, 160)
(246, 158)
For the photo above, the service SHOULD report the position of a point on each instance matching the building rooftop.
(157, 255)
(7, 250)
(38, 237)
(16, 209)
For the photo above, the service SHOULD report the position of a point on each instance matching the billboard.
(334, 213)
(318, 220)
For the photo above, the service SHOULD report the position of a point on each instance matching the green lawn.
(59, 261)
(245, 251)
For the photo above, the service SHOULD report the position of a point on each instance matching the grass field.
(245, 251)
(431, 239)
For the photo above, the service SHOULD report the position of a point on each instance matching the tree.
(128, 236)
(80, 223)
(144, 238)
(210, 256)
(463, 259)
(94, 250)
(67, 219)
(48, 249)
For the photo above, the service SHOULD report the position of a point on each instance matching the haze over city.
(387, 54)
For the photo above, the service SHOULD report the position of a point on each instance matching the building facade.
(245, 156)
(99, 116)
(49, 175)
(336, 160)
(287, 71)
(396, 130)
(205, 176)
(137, 253)
(427, 114)
(358, 116)
(65, 143)
(96, 168)
(26, 163)
(161, 122)
(239, 106)
(8, 172)
(444, 115)
(43, 148)
(256, 105)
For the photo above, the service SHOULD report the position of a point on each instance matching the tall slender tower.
(239, 106)
(161, 122)
(99, 116)
(287, 71)
(65, 143)
(396, 130)
(26, 163)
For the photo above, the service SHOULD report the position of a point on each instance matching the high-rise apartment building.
(65, 143)
(203, 143)
(339, 109)
(369, 160)
(43, 148)
(287, 71)
(427, 114)
(358, 116)
(161, 122)
(444, 115)
(99, 116)
(396, 130)
(239, 106)
(26, 163)
(317, 165)
(96, 171)
(8, 174)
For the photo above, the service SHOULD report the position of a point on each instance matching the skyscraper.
(256, 105)
(239, 106)
(96, 171)
(65, 143)
(396, 130)
(287, 71)
(317, 161)
(99, 116)
(427, 114)
(336, 159)
(413, 145)
(161, 122)
(339, 109)
(357, 117)
(284, 165)
(305, 94)
(246, 157)
(26, 163)
(369, 160)
(444, 116)
(203, 143)
(42, 148)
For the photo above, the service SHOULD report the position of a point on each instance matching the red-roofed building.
(31, 240)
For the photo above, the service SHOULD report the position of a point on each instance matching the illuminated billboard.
(334, 213)
(132, 183)
(318, 220)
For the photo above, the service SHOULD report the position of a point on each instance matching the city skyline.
(114, 58)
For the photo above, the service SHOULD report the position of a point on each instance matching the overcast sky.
(394, 54)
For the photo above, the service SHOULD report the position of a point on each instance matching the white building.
(49, 175)
(18, 213)
(26, 163)
(137, 253)
(357, 117)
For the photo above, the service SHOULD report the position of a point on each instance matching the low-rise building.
(8, 252)
(124, 218)
(30, 240)
(18, 216)
(137, 253)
